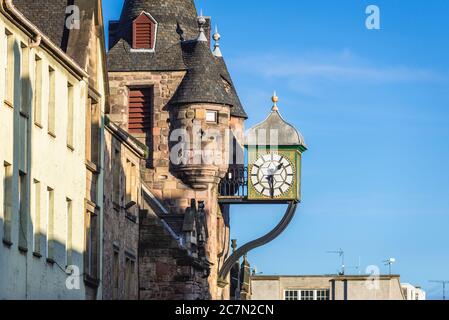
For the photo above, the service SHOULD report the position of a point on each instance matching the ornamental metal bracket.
(239, 253)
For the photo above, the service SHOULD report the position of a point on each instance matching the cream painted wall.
(54, 165)
(357, 288)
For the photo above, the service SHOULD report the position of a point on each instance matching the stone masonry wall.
(121, 227)
(157, 173)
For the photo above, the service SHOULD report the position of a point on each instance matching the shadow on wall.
(162, 278)
(32, 265)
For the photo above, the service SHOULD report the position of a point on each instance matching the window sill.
(23, 250)
(91, 282)
(131, 217)
(37, 124)
(91, 166)
(7, 243)
(50, 261)
(116, 206)
(51, 134)
(9, 104)
(70, 147)
(142, 50)
(37, 255)
(24, 114)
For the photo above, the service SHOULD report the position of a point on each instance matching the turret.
(200, 117)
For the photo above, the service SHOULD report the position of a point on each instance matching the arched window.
(144, 32)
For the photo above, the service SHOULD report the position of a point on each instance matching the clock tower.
(275, 149)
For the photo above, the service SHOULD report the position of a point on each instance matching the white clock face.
(272, 175)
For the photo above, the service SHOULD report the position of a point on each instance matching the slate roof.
(237, 110)
(203, 82)
(50, 17)
(175, 51)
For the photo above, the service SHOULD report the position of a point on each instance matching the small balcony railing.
(235, 183)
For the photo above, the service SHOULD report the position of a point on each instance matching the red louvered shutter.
(140, 110)
(143, 32)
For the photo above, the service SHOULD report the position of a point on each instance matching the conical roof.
(202, 83)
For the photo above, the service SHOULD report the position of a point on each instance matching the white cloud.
(343, 66)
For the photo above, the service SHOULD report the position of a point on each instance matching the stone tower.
(167, 84)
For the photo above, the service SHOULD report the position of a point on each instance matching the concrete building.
(53, 100)
(326, 288)
(413, 292)
(164, 78)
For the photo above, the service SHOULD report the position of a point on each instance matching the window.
(129, 278)
(25, 103)
(70, 115)
(23, 212)
(140, 110)
(116, 170)
(306, 295)
(115, 274)
(144, 31)
(211, 116)
(38, 91)
(9, 68)
(91, 250)
(93, 132)
(37, 219)
(50, 225)
(7, 203)
(291, 295)
(23, 140)
(130, 182)
(322, 295)
(52, 103)
(69, 233)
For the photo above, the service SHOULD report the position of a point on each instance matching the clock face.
(272, 175)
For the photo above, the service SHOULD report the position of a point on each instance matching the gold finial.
(275, 100)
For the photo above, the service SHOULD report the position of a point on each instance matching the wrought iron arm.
(288, 217)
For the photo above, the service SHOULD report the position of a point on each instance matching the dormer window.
(144, 32)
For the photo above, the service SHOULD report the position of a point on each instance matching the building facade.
(412, 292)
(165, 80)
(53, 103)
(96, 207)
(122, 204)
(326, 288)
(42, 153)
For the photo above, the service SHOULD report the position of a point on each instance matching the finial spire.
(201, 22)
(275, 100)
(234, 245)
(217, 37)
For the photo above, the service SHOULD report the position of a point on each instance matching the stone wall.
(165, 181)
(121, 225)
(167, 271)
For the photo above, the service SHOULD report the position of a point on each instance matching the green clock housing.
(275, 150)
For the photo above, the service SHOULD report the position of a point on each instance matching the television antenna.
(442, 282)
(389, 263)
(341, 254)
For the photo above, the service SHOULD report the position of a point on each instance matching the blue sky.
(373, 106)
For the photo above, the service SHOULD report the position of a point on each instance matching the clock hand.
(270, 179)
